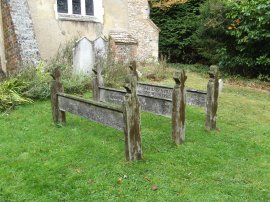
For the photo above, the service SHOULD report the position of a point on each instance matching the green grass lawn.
(84, 161)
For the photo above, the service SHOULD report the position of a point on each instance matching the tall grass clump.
(114, 74)
(29, 84)
(156, 71)
(38, 82)
(11, 93)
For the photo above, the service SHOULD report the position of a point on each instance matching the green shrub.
(235, 34)
(28, 85)
(177, 24)
(250, 28)
(76, 83)
(11, 93)
(211, 35)
(38, 82)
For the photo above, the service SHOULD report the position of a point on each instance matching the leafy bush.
(177, 23)
(211, 35)
(38, 82)
(250, 28)
(28, 85)
(235, 34)
(11, 93)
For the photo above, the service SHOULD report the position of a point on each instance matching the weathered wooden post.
(179, 107)
(132, 120)
(133, 69)
(212, 98)
(97, 81)
(57, 87)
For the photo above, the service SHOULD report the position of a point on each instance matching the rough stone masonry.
(21, 47)
(139, 22)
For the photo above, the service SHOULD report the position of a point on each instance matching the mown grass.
(84, 161)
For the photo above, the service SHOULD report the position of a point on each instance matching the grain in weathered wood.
(59, 116)
(154, 90)
(193, 97)
(179, 108)
(212, 98)
(112, 95)
(144, 91)
(132, 119)
(133, 69)
(150, 104)
(97, 80)
(95, 111)
(155, 105)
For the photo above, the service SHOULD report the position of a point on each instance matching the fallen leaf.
(154, 188)
(147, 178)
(120, 180)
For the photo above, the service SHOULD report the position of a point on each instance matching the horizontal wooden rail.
(95, 111)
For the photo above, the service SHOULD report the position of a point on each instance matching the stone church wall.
(144, 30)
(21, 48)
(32, 29)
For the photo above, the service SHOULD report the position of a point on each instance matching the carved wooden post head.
(97, 81)
(128, 85)
(98, 66)
(180, 77)
(56, 74)
(95, 71)
(133, 68)
(213, 72)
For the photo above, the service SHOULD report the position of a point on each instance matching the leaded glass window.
(62, 6)
(76, 6)
(89, 8)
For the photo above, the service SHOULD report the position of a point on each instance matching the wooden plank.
(155, 105)
(154, 90)
(95, 111)
(112, 95)
(193, 97)
(196, 98)
(160, 106)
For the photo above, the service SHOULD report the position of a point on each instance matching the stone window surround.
(97, 17)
